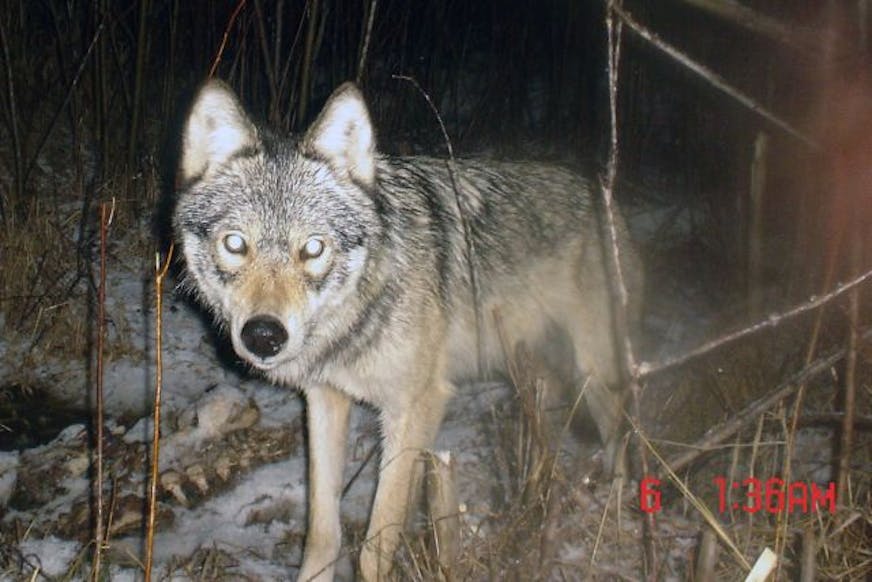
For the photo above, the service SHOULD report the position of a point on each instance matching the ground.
(232, 486)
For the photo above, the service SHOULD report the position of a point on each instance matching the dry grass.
(42, 281)
(557, 523)
(549, 519)
(545, 500)
(48, 277)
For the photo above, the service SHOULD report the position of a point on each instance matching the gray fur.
(385, 313)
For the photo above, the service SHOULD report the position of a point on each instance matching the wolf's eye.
(235, 244)
(312, 249)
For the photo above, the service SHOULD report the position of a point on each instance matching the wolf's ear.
(217, 127)
(343, 136)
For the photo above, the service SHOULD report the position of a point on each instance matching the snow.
(259, 518)
(242, 503)
(8, 474)
(52, 554)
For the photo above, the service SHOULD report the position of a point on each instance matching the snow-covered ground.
(232, 456)
(233, 467)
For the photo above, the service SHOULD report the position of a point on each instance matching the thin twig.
(310, 50)
(159, 276)
(364, 50)
(616, 280)
(847, 440)
(714, 79)
(220, 51)
(269, 66)
(705, 512)
(782, 520)
(105, 220)
(142, 46)
(464, 222)
(18, 155)
(737, 422)
(369, 456)
(649, 368)
(781, 532)
(755, 21)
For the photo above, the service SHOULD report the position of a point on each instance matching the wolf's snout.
(264, 336)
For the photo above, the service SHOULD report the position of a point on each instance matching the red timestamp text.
(770, 495)
(775, 496)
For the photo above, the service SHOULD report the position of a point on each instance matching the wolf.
(357, 276)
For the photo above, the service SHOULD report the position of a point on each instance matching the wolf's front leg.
(405, 434)
(327, 414)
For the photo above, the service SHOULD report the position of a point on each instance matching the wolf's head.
(278, 233)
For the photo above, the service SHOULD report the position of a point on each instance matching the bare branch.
(160, 273)
(648, 368)
(464, 222)
(748, 415)
(616, 279)
(714, 79)
(753, 20)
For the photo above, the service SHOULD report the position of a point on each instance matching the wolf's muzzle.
(264, 336)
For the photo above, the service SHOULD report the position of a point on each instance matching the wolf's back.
(535, 235)
(517, 212)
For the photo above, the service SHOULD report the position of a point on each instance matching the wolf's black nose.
(264, 336)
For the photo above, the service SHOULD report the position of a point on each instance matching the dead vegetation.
(558, 503)
(768, 404)
(42, 285)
